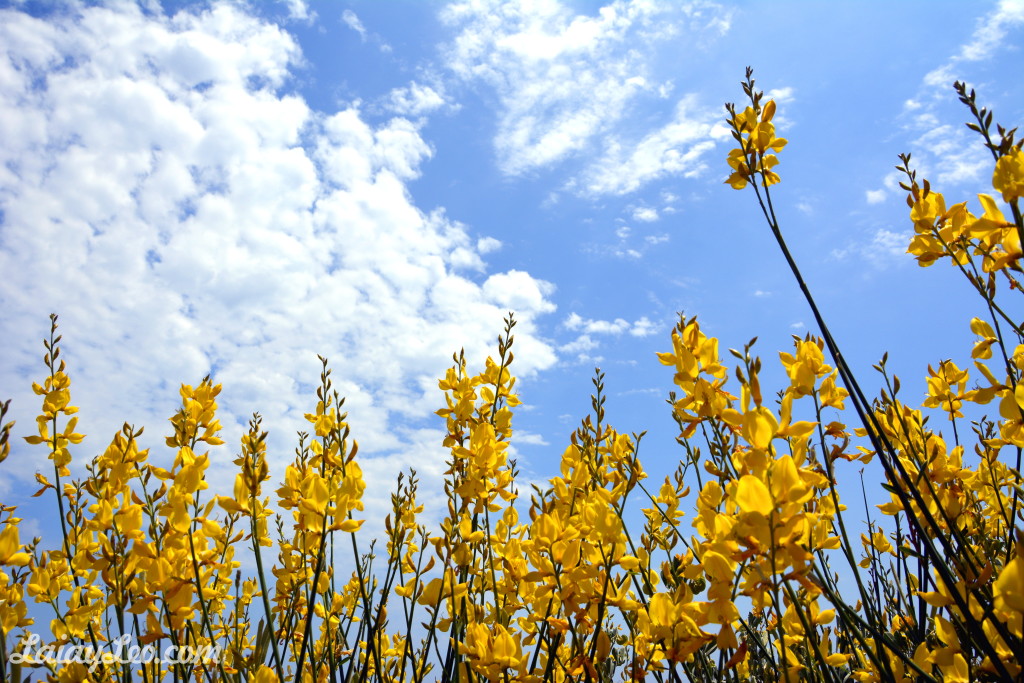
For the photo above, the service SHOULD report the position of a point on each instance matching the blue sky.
(235, 188)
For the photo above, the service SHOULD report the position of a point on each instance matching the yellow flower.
(925, 209)
(745, 121)
(1008, 589)
(946, 388)
(753, 496)
(324, 420)
(759, 427)
(11, 553)
(982, 349)
(1008, 177)
(832, 395)
(264, 675)
(42, 585)
(878, 542)
(492, 650)
(737, 159)
(756, 135)
(806, 366)
(629, 562)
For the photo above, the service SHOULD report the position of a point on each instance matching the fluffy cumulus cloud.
(874, 196)
(565, 83)
(415, 99)
(298, 10)
(164, 193)
(645, 214)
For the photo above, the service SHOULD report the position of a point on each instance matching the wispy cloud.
(185, 213)
(677, 148)
(639, 328)
(566, 82)
(945, 153)
(590, 330)
(886, 246)
(351, 20)
(884, 249)
(991, 31)
(627, 245)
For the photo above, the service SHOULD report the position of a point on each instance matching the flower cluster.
(758, 577)
(754, 131)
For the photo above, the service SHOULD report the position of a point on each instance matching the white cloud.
(720, 132)
(617, 326)
(644, 328)
(677, 148)
(523, 437)
(518, 290)
(951, 154)
(781, 95)
(628, 246)
(566, 82)
(875, 196)
(298, 10)
(941, 77)
(886, 245)
(991, 31)
(415, 99)
(640, 328)
(162, 191)
(580, 345)
(486, 245)
(351, 20)
(589, 329)
(653, 391)
(884, 249)
(645, 214)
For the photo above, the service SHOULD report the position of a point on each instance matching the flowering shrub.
(558, 587)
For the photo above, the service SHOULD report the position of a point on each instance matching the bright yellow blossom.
(1008, 177)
